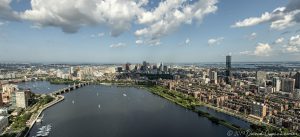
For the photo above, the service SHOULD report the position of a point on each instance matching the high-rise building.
(213, 76)
(258, 109)
(127, 66)
(297, 80)
(261, 77)
(228, 68)
(161, 67)
(71, 70)
(1, 100)
(288, 85)
(21, 99)
(7, 91)
(276, 83)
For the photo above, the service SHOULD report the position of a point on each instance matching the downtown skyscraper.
(228, 69)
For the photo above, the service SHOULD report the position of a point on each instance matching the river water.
(110, 111)
(40, 87)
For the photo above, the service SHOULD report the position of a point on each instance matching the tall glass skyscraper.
(228, 68)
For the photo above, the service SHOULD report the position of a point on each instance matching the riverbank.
(23, 123)
(189, 103)
(58, 81)
(57, 99)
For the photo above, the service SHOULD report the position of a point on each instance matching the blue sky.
(132, 31)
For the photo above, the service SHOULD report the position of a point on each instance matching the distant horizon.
(113, 63)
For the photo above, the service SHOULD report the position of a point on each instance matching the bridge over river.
(69, 88)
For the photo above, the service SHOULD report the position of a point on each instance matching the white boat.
(42, 128)
(124, 95)
(73, 101)
(40, 119)
(97, 94)
(99, 106)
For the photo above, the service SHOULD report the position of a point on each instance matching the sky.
(175, 31)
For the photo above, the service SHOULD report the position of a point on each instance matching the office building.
(213, 76)
(261, 77)
(297, 80)
(276, 83)
(21, 99)
(228, 69)
(258, 109)
(7, 91)
(288, 85)
(127, 66)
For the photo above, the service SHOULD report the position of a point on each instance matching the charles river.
(110, 111)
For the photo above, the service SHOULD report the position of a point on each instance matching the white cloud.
(215, 41)
(139, 42)
(279, 40)
(293, 45)
(262, 49)
(252, 36)
(295, 40)
(187, 41)
(2, 23)
(279, 18)
(118, 45)
(70, 15)
(170, 14)
(246, 52)
(6, 11)
(118, 15)
(290, 49)
(98, 35)
(253, 20)
(101, 34)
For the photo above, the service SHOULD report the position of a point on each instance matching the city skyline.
(175, 31)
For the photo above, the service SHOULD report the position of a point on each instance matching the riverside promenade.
(35, 116)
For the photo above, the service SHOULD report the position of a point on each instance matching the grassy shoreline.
(189, 103)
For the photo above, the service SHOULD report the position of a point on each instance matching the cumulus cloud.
(246, 52)
(262, 49)
(252, 36)
(293, 44)
(118, 15)
(70, 15)
(118, 45)
(6, 11)
(215, 41)
(98, 35)
(279, 18)
(139, 42)
(295, 40)
(101, 34)
(187, 41)
(290, 49)
(170, 14)
(279, 40)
